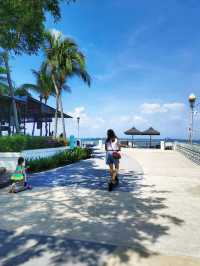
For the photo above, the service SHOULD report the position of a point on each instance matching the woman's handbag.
(116, 155)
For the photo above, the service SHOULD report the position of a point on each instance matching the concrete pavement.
(70, 218)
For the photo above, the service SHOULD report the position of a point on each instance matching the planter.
(9, 159)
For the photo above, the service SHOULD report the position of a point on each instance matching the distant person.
(78, 143)
(112, 147)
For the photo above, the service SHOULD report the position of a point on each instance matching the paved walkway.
(69, 218)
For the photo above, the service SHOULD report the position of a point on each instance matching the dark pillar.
(24, 125)
(33, 131)
(49, 128)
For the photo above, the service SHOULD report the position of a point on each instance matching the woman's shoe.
(110, 186)
(116, 180)
(29, 187)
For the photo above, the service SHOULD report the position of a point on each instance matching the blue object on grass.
(72, 142)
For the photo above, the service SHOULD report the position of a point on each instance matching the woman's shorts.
(110, 159)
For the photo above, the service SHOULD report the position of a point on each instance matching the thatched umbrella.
(133, 132)
(151, 132)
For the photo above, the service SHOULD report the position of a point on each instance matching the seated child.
(19, 177)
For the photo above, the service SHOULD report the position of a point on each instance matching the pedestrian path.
(90, 174)
(71, 219)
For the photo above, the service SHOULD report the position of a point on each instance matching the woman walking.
(112, 148)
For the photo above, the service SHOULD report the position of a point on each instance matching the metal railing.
(192, 152)
(137, 143)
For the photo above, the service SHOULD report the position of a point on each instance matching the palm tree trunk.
(56, 117)
(63, 119)
(41, 122)
(57, 106)
(46, 125)
(11, 90)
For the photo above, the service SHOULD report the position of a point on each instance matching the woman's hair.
(110, 135)
(20, 160)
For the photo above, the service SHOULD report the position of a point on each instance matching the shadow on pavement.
(75, 205)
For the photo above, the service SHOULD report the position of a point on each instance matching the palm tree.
(64, 60)
(5, 58)
(44, 87)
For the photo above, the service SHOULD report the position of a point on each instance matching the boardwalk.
(69, 218)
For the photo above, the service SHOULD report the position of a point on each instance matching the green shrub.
(18, 143)
(60, 159)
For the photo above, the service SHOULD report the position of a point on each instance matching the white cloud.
(78, 111)
(139, 119)
(86, 120)
(177, 107)
(153, 108)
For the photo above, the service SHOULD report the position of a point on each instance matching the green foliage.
(3, 80)
(44, 85)
(18, 143)
(21, 92)
(22, 23)
(64, 60)
(60, 159)
(2, 70)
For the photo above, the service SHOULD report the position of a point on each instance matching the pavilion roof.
(29, 109)
(133, 131)
(151, 132)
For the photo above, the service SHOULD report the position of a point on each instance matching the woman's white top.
(113, 146)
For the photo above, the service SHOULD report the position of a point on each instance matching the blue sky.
(144, 60)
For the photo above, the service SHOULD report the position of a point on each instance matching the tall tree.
(22, 24)
(5, 58)
(43, 86)
(65, 60)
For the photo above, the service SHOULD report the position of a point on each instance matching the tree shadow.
(85, 174)
(70, 217)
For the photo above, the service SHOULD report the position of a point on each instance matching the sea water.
(139, 142)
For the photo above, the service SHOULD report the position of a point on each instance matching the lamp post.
(192, 99)
(78, 123)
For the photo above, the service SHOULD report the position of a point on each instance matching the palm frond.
(64, 60)
(28, 86)
(2, 70)
(66, 88)
(4, 89)
(22, 92)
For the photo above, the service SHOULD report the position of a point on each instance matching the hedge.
(59, 159)
(18, 143)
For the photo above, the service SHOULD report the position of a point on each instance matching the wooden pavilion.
(133, 132)
(29, 110)
(150, 132)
